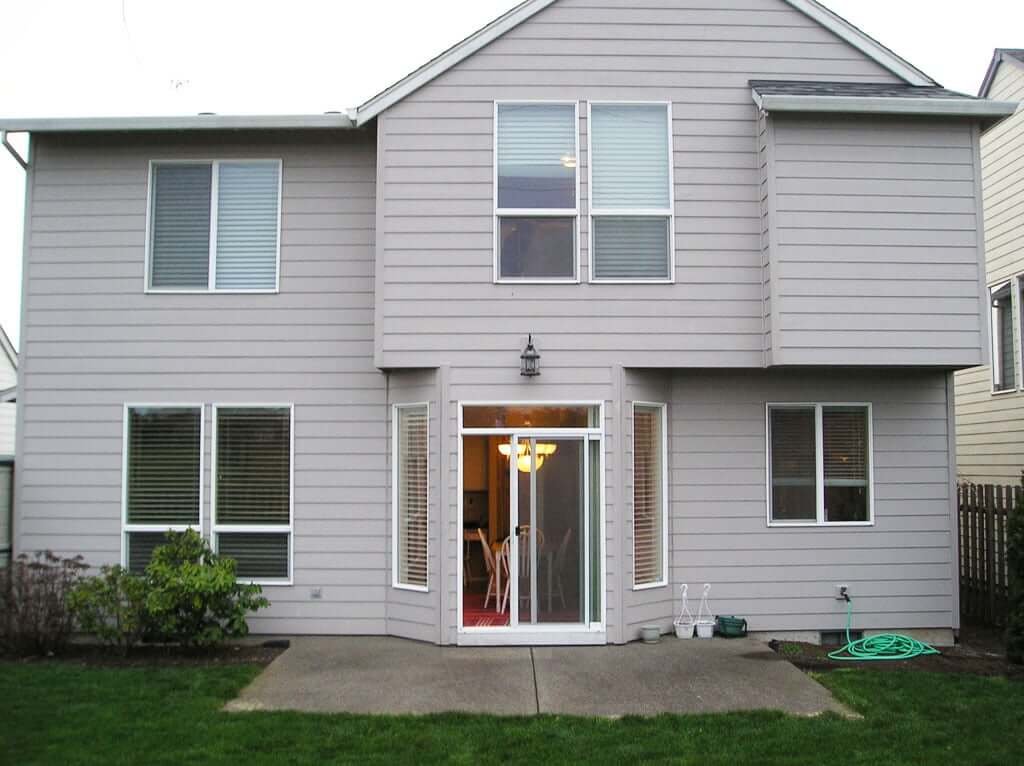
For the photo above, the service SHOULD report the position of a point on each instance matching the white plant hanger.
(684, 622)
(705, 620)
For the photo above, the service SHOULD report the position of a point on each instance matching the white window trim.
(125, 526)
(819, 459)
(996, 350)
(395, 582)
(663, 582)
(535, 212)
(256, 528)
(1018, 327)
(670, 211)
(212, 259)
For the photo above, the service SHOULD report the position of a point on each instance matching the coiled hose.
(883, 646)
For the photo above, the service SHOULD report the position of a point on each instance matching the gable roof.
(526, 10)
(8, 348)
(1013, 56)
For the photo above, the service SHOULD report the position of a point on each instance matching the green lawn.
(53, 713)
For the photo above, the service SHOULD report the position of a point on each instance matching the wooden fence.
(984, 511)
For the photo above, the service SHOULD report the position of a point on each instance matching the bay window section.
(536, 200)
(252, 497)
(631, 192)
(163, 447)
(819, 464)
(1004, 370)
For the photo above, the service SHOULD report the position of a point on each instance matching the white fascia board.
(862, 42)
(439, 65)
(948, 107)
(190, 122)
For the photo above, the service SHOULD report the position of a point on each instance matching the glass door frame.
(592, 632)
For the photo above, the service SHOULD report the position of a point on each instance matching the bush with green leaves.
(193, 596)
(35, 614)
(1015, 561)
(112, 606)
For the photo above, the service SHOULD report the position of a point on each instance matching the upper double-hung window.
(214, 226)
(631, 192)
(536, 191)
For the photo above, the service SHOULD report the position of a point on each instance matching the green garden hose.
(884, 646)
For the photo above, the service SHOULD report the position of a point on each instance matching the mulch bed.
(91, 655)
(980, 652)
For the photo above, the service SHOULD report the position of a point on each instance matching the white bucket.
(705, 629)
(684, 629)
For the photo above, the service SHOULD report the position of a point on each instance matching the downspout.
(13, 152)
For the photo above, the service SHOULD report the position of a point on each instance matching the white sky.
(77, 58)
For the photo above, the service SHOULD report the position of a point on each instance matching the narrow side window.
(410, 496)
(650, 506)
(1004, 371)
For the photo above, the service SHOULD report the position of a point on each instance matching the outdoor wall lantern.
(529, 360)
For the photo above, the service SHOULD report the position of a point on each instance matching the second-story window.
(630, 192)
(536, 201)
(214, 226)
(1004, 372)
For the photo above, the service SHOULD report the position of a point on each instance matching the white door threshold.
(531, 638)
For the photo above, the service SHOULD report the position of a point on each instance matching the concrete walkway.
(392, 675)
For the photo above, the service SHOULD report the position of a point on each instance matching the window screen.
(793, 461)
(180, 246)
(845, 446)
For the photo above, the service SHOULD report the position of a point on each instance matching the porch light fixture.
(529, 360)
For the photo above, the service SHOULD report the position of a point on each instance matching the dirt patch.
(980, 652)
(90, 655)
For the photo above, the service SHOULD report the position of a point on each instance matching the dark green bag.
(730, 627)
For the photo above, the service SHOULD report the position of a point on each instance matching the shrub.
(1015, 561)
(112, 606)
(35, 616)
(194, 598)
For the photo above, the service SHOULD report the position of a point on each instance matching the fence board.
(984, 572)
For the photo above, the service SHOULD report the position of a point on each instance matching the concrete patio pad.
(392, 675)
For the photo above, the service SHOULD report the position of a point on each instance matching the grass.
(54, 713)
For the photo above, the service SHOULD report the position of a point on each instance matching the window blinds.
(412, 500)
(629, 156)
(164, 451)
(247, 200)
(181, 226)
(259, 556)
(536, 156)
(1004, 371)
(793, 463)
(631, 248)
(253, 466)
(648, 499)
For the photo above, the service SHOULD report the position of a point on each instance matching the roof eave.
(999, 56)
(330, 121)
(981, 109)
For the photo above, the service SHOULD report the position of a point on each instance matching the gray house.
(990, 399)
(600, 301)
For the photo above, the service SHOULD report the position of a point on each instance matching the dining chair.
(560, 555)
(492, 572)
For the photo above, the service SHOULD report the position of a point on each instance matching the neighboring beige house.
(990, 399)
(8, 383)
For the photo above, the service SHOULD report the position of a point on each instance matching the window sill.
(632, 281)
(651, 585)
(529, 281)
(171, 291)
(413, 588)
(823, 524)
(1003, 391)
(264, 583)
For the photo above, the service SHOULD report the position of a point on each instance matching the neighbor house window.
(631, 192)
(650, 504)
(163, 448)
(252, 497)
(410, 496)
(214, 226)
(1004, 371)
(536, 202)
(819, 463)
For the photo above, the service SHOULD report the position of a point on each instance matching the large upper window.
(631, 192)
(650, 504)
(410, 496)
(536, 203)
(1004, 371)
(819, 463)
(162, 474)
(214, 226)
(252, 499)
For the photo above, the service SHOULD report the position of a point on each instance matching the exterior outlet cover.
(839, 592)
(316, 593)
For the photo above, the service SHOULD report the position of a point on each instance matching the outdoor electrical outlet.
(316, 593)
(842, 591)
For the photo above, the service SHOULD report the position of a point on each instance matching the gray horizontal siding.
(93, 341)
(862, 267)
(434, 270)
(990, 428)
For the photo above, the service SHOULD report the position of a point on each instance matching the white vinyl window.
(819, 464)
(1004, 370)
(632, 237)
(161, 477)
(650, 496)
(214, 226)
(410, 495)
(253, 448)
(536, 191)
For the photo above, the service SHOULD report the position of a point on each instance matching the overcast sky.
(77, 58)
